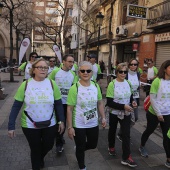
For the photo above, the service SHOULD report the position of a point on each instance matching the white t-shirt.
(27, 68)
(85, 114)
(150, 74)
(39, 101)
(51, 69)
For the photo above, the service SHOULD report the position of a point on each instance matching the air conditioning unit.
(121, 31)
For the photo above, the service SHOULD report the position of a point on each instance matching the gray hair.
(83, 63)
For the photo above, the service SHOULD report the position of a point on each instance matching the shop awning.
(126, 41)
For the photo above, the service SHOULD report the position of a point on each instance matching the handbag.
(41, 124)
(147, 103)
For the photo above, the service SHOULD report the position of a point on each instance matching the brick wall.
(147, 48)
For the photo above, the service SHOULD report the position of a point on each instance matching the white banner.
(23, 48)
(57, 52)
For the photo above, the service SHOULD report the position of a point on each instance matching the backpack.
(147, 103)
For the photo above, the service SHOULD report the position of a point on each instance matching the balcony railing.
(159, 13)
(103, 35)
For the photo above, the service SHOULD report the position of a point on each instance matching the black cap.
(92, 56)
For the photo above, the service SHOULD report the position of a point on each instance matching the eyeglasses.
(70, 61)
(40, 68)
(33, 56)
(122, 72)
(87, 71)
(133, 64)
(52, 61)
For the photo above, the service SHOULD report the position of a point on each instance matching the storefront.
(162, 48)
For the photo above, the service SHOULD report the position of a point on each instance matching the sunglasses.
(52, 61)
(33, 56)
(133, 64)
(87, 71)
(122, 72)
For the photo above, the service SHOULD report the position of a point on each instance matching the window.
(70, 12)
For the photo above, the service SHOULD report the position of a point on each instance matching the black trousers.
(85, 139)
(59, 137)
(125, 127)
(152, 123)
(41, 141)
(147, 88)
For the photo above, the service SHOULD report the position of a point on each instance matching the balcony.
(159, 15)
(93, 6)
(104, 33)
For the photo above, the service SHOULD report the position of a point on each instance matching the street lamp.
(1, 6)
(99, 20)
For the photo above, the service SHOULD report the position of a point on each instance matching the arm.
(12, 117)
(59, 111)
(101, 112)
(71, 132)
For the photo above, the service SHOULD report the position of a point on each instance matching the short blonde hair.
(31, 72)
(120, 67)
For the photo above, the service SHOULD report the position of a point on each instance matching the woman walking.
(83, 104)
(159, 110)
(133, 77)
(42, 103)
(120, 100)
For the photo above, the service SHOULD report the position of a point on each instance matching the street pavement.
(15, 153)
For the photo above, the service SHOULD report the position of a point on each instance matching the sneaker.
(59, 149)
(143, 151)
(167, 164)
(112, 151)
(83, 168)
(119, 138)
(130, 162)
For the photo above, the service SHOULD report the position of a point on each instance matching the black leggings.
(152, 123)
(41, 141)
(85, 139)
(125, 127)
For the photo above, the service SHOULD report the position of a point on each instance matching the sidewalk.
(14, 154)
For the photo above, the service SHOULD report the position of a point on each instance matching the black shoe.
(130, 162)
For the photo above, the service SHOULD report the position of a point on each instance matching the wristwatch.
(69, 128)
(59, 122)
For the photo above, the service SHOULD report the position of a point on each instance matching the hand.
(71, 133)
(160, 118)
(128, 108)
(11, 134)
(61, 128)
(134, 104)
(104, 122)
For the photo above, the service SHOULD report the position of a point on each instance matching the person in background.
(74, 67)
(42, 105)
(52, 64)
(134, 78)
(151, 75)
(26, 66)
(83, 104)
(140, 71)
(121, 103)
(64, 78)
(102, 67)
(96, 67)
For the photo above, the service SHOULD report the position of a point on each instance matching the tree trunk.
(110, 44)
(17, 46)
(11, 48)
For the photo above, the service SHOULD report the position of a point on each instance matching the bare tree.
(10, 6)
